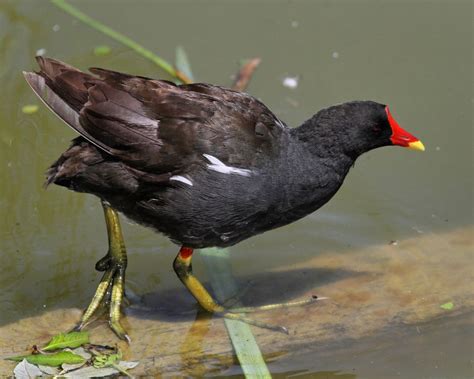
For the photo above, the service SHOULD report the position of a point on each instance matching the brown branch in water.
(245, 74)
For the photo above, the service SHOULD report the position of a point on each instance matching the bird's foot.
(236, 313)
(110, 292)
(270, 307)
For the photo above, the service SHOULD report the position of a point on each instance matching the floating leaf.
(56, 359)
(82, 352)
(100, 51)
(92, 372)
(30, 108)
(72, 340)
(447, 306)
(49, 370)
(69, 367)
(128, 364)
(182, 63)
(26, 370)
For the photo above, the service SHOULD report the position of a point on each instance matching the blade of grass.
(119, 37)
(182, 63)
(250, 357)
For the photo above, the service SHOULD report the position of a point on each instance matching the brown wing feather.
(156, 126)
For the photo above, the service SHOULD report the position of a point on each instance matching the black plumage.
(205, 165)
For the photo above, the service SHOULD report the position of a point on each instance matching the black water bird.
(202, 164)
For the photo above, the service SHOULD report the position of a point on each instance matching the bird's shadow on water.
(178, 305)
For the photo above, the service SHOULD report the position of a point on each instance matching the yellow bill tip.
(417, 145)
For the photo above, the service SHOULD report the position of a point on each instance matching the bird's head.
(359, 126)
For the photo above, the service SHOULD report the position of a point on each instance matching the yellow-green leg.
(183, 268)
(111, 286)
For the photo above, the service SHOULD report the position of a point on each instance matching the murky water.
(414, 56)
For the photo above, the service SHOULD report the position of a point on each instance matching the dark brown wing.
(154, 125)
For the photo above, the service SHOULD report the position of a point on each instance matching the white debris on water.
(335, 54)
(295, 24)
(41, 52)
(418, 230)
(290, 82)
(292, 102)
(56, 28)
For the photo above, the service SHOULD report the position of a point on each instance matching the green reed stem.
(119, 37)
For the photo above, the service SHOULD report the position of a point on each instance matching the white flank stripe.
(182, 179)
(219, 166)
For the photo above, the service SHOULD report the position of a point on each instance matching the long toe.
(119, 331)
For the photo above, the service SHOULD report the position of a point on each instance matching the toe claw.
(119, 331)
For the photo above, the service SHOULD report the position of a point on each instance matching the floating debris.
(447, 306)
(88, 361)
(335, 54)
(292, 102)
(26, 370)
(41, 52)
(30, 108)
(295, 24)
(393, 242)
(56, 28)
(290, 82)
(100, 51)
(416, 229)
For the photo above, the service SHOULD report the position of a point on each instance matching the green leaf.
(100, 51)
(72, 340)
(56, 359)
(30, 108)
(447, 306)
(182, 63)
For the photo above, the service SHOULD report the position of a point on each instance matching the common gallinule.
(202, 164)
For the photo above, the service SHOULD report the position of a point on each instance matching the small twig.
(245, 74)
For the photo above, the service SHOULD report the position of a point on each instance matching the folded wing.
(156, 126)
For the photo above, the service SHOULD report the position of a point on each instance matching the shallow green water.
(414, 56)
